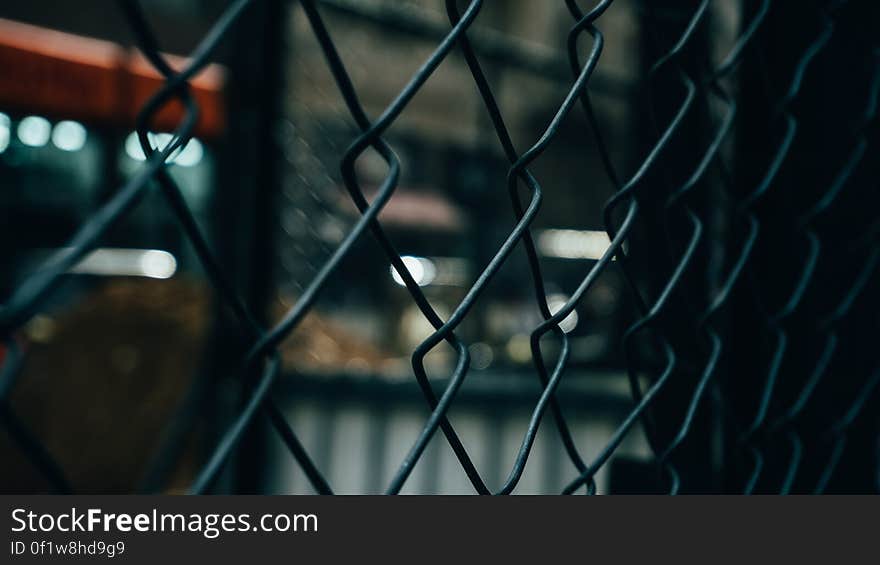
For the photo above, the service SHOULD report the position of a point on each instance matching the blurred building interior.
(262, 175)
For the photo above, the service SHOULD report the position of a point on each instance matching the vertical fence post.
(246, 192)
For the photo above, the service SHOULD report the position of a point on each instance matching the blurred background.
(128, 375)
(139, 313)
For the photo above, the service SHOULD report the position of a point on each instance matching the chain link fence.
(743, 233)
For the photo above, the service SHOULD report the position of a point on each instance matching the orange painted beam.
(58, 74)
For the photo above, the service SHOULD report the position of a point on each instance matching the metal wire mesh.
(793, 355)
